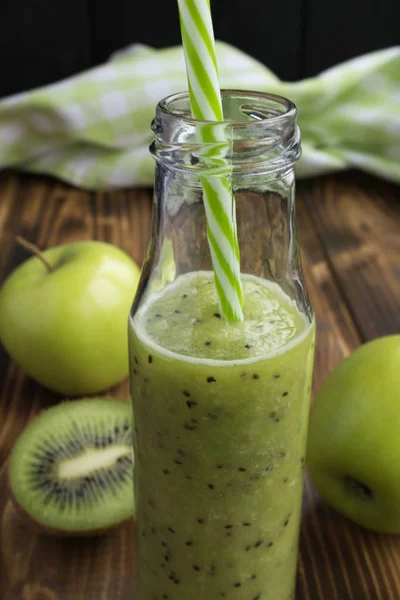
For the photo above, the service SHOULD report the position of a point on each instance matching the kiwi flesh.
(71, 469)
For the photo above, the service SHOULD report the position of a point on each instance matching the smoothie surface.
(185, 319)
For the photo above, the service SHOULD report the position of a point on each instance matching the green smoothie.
(221, 416)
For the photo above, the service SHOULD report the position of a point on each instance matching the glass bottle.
(221, 409)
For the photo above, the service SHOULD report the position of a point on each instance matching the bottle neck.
(259, 135)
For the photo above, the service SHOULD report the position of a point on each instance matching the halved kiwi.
(71, 469)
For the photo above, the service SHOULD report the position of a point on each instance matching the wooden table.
(349, 228)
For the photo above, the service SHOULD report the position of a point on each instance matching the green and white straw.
(205, 97)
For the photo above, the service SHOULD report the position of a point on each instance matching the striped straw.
(205, 97)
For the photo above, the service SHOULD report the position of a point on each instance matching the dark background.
(42, 41)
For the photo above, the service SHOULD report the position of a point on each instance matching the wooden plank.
(34, 566)
(338, 560)
(342, 220)
(254, 28)
(263, 30)
(360, 26)
(337, 335)
(358, 223)
(41, 42)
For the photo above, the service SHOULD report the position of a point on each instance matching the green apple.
(354, 436)
(66, 325)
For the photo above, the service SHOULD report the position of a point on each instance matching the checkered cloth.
(93, 130)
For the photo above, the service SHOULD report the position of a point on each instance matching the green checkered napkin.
(93, 130)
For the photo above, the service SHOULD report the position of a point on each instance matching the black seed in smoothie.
(257, 597)
(164, 544)
(220, 466)
(258, 543)
(237, 584)
(211, 379)
(189, 477)
(247, 548)
(207, 343)
(171, 530)
(184, 296)
(303, 461)
(272, 415)
(196, 567)
(181, 452)
(223, 595)
(191, 403)
(136, 360)
(268, 469)
(217, 315)
(211, 486)
(201, 521)
(285, 480)
(177, 312)
(165, 471)
(134, 371)
(282, 454)
(276, 376)
(248, 346)
(159, 316)
(189, 543)
(229, 526)
(242, 469)
(150, 359)
(246, 524)
(178, 462)
(285, 394)
(186, 393)
(243, 375)
(286, 523)
(253, 576)
(256, 376)
(190, 427)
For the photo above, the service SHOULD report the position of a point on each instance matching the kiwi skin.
(36, 527)
(27, 517)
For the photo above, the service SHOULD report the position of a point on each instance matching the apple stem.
(35, 250)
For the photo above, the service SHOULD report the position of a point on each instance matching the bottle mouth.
(259, 133)
(242, 107)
